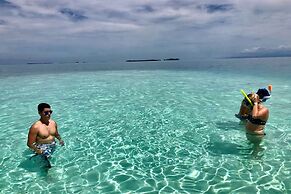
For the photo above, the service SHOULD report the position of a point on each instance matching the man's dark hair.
(42, 106)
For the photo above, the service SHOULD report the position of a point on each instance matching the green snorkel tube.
(246, 96)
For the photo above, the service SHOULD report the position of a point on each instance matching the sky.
(95, 30)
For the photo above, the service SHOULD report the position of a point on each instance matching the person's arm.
(58, 136)
(260, 114)
(244, 110)
(256, 113)
(31, 140)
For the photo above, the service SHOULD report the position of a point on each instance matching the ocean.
(150, 127)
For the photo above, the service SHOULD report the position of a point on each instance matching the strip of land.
(148, 60)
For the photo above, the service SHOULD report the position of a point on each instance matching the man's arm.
(58, 136)
(31, 140)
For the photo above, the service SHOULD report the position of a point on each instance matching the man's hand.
(38, 151)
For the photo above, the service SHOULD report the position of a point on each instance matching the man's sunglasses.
(48, 112)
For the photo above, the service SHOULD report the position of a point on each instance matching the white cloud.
(196, 27)
(261, 50)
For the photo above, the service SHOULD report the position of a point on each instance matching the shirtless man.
(42, 134)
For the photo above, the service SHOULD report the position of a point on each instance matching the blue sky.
(88, 30)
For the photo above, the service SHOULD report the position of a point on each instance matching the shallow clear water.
(147, 131)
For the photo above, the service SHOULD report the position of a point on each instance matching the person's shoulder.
(53, 122)
(35, 125)
(265, 110)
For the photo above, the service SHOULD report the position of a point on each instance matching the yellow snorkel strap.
(245, 95)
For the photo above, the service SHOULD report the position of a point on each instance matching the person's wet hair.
(247, 103)
(42, 106)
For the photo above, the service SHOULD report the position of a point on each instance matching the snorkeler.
(245, 108)
(256, 120)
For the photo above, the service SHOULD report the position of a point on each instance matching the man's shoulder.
(53, 122)
(35, 125)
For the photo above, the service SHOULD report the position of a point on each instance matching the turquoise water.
(147, 130)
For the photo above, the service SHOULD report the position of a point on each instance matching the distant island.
(142, 60)
(33, 63)
(171, 59)
(149, 60)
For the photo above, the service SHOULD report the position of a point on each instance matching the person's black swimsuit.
(256, 121)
